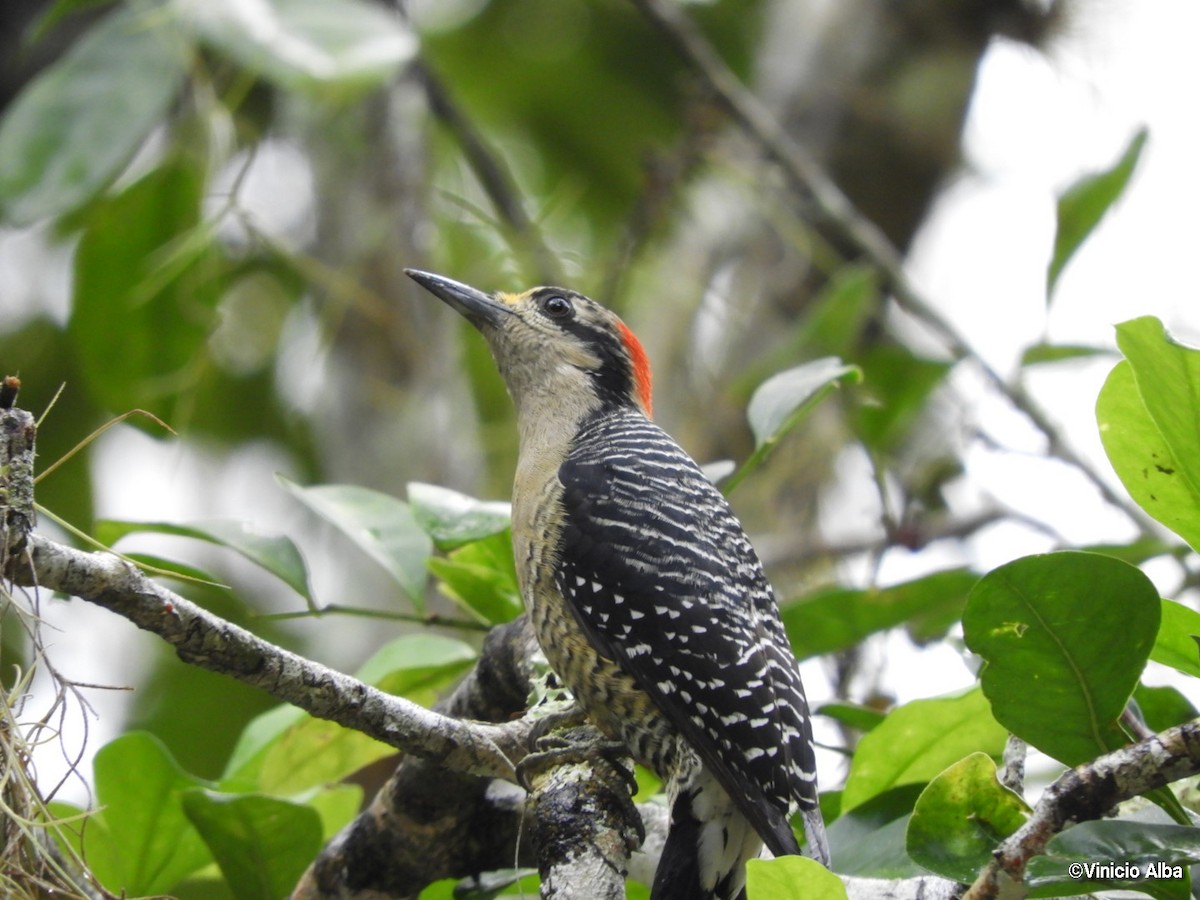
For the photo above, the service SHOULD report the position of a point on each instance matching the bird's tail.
(704, 857)
(814, 832)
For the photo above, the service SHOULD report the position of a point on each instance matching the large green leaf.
(838, 618)
(1083, 205)
(76, 126)
(275, 553)
(380, 525)
(261, 844)
(792, 878)
(961, 817)
(1074, 860)
(1142, 458)
(147, 281)
(1064, 637)
(919, 740)
(310, 45)
(140, 789)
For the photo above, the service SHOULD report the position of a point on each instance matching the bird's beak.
(476, 306)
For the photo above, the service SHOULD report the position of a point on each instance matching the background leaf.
(380, 525)
(72, 131)
(453, 519)
(275, 553)
(919, 740)
(1139, 843)
(1178, 632)
(1083, 205)
(837, 618)
(140, 788)
(305, 45)
(262, 844)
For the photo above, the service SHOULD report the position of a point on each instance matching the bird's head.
(553, 344)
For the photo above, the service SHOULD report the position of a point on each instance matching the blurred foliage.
(235, 206)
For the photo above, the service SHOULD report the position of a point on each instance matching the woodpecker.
(644, 591)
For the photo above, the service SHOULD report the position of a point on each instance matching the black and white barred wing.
(664, 581)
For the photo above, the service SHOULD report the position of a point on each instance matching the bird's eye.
(557, 307)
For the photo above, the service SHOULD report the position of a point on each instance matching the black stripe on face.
(614, 373)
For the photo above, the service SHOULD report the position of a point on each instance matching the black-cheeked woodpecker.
(644, 591)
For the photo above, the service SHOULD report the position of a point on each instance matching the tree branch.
(205, 640)
(1087, 792)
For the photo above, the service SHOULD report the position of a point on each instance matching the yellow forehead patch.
(511, 299)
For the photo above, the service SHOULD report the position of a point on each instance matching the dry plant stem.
(210, 642)
(1087, 792)
(809, 180)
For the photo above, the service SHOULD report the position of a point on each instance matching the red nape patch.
(641, 366)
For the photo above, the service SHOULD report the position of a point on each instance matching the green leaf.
(783, 401)
(897, 388)
(140, 788)
(453, 519)
(792, 878)
(305, 45)
(862, 718)
(840, 311)
(147, 281)
(1039, 354)
(1137, 844)
(1083, 205)
(918, 740)
(91, 838)
(1163, 707)
(285, 752)
(1142, 458)
(836, 618)
(260, 734)
(1178, 641)
(415, 666)
(482, 578)
(1048, 628)
(337, 805)
(261, 844)
(380, 525)
(869, 840)
(961, 817)
(72, 130)
(276, 554)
